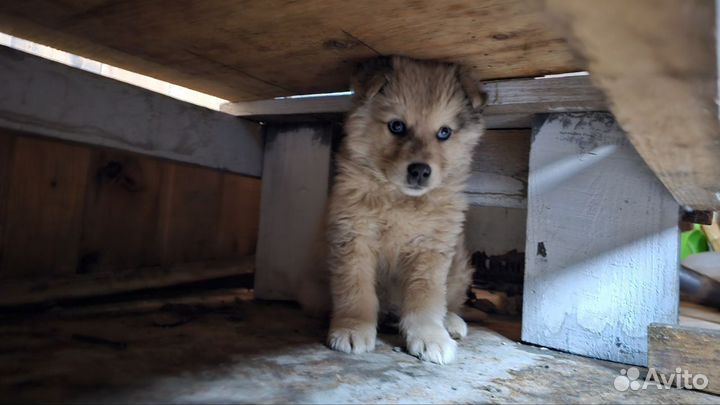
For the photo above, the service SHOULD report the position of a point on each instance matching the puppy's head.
(415, 123)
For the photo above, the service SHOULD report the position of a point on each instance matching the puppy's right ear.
(370, 77)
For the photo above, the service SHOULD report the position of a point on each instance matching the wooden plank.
(121, 225)
(500, 170)
(296, 176)
(602, 242)
(26, 291)
(691, 349)
(44, 207)
(511, 103)
(259, 50)
(657, 63)
(192, 214)
(7, 147)
(54, 100)
(239, 216)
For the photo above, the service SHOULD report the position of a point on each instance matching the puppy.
(395, 218)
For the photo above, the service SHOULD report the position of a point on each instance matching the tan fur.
(388, 249)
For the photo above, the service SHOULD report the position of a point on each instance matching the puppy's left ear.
(473, 89)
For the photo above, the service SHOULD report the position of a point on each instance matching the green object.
(693, 241)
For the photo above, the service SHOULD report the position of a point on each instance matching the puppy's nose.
(418, 174)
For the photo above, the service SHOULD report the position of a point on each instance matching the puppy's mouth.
(413, 190)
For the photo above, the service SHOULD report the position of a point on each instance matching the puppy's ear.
(473, 89)
(371, 76)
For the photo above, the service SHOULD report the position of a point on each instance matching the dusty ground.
(269, 353)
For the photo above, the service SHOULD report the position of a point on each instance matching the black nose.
(418, 174)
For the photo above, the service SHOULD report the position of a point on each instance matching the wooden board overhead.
(656, 62)
(262, 49)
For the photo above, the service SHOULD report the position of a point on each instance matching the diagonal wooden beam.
(656, 62)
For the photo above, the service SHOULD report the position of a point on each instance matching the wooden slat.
(263, 49)
(192, 213)
(239, 216)
(47, 98)
(688, 348)
(35, 291)
(656, 60)
(44, 207)
(511, 103)
(121, 222)
(7, 146)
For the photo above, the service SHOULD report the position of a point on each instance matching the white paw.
(431, 343)
(351, 336)
(456, 327)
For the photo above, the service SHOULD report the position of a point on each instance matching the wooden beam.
(511, 103)
(23, 291)
(602, 242)
(691, 349)
(296, 180)
(657, 63)
(50, 99)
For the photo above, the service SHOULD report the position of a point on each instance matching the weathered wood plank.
(690, 349)
(121, 226)
(259, 50)
(51, 99)
(657, 63)
(7, 147)
(511, 103)
(602, 242)
(296, 177)
(44, 207)
(239, 216)
(192, 213)
(25, 291)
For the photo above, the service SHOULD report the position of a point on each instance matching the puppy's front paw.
(431, 343)
(456, 326)
(351, 336)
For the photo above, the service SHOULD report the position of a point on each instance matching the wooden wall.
(74, 209)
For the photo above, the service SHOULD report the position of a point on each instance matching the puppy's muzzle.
(418, 175)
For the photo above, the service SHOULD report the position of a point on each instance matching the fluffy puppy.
(395, 218)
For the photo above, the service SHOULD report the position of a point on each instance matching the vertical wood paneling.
(193, 212)
(121, 222)
(44, 207)
(7, 144)
(238, 223)
(67, 208)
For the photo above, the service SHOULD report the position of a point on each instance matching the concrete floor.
(269, 353)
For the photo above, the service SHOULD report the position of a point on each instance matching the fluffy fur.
(390, 247)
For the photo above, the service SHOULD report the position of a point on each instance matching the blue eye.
(444, 133)
(397, 127)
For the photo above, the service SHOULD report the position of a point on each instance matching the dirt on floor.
(251, 352)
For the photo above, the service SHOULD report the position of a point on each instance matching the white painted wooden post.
(295, 180)
(602, 241)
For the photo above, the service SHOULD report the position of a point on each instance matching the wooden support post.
(296, 176)
(602, 241)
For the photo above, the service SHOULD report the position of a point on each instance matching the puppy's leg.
(424, 308)
(353, 327)
(458, 281)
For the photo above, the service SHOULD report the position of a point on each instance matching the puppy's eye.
(397, 127)
(444, 133)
